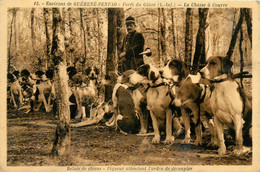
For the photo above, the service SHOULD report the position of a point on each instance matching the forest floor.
(30, 139)
(31, 136)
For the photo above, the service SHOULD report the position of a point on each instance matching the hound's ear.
(49, 73)
(227, 64)
(25, 73)
(144, 70)
(16, 73)
(96, 70)
(10, 76)
(88, 70)
(185, 70)
(230, 63)
(153, 77)
(39, 73)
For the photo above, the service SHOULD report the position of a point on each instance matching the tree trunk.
(63, 134)
(120, 34)
(159, 36)
(98, 37)
(200, 55)
(15, 35)
(241, 55)
(234, 35)
(163, 35)
(66, 29)
(98, 34)
(84, 38)
(188, 36)
(173, 34)
(248, 18)
(72, 34)
(33, 31)
(99, 42)
(111, 48)
(10, 42)
(48, 40)
(234, 19)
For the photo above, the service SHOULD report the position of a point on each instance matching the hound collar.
(158, 85)
(134, 87)
(220, 78)
(33, 78)
(169, 84)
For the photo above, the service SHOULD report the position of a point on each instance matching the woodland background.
(93, 36)
(42, 38)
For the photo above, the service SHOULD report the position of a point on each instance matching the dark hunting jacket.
(133, 45)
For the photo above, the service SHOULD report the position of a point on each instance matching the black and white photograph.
(117, 86)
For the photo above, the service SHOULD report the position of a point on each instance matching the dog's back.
(129, 122)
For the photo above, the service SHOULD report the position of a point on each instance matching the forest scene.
(40, 39)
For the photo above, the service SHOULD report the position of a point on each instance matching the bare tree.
(63, 134)
(33, 30)
(241, 55)
(10, 40)
(111, 48)
(71, 47)
(200, 55)
(15, 33)
(159, 35)
(173, 33)
(120, 33)
(99, 40)
(84, 38)
(163, 35)
(234, 34)
(188, 36)
(248, 18)
(48, 41)
(98, 35)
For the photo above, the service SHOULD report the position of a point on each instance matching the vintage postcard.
(99, 85)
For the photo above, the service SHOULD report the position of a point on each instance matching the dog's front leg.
(143, 114)
(169, 137)
(79, 107)
(13, 99)
(196, 119)
(115, 117)
(238, 125)
(20, 97)
(44, 102)
(186, 120)
(49, 101)
(156, 138)
(220, 134)
(38, 105)
(212, 130)
(198, 132)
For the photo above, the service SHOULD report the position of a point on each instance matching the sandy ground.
(30, 140)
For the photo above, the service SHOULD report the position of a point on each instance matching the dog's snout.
(153, 76)
(161, 74)
(202, 72)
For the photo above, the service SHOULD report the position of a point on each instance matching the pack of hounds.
(163, 102)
